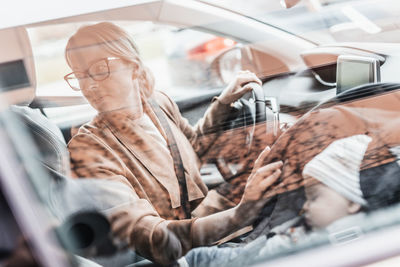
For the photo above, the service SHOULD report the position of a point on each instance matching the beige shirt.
(148, 126)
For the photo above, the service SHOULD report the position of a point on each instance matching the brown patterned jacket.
(113, 147)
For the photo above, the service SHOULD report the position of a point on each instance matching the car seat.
(18, 86)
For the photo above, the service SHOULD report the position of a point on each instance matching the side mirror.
(87, 234)
(289, 3)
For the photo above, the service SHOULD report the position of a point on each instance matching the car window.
(180, 58)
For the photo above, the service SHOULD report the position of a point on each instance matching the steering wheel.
(248, 111)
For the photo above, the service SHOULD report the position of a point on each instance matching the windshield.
(327, 21)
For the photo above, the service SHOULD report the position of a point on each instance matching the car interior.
(271, 114)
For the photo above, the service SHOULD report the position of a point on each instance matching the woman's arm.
(165, 241)
(212, 228)
(139, 224)
(207, 129)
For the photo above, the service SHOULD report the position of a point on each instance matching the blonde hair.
(119, 43)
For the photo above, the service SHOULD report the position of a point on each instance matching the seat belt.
(176, 156)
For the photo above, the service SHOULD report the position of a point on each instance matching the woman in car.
(139, 138)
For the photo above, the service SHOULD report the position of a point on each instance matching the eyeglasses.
(98, 71)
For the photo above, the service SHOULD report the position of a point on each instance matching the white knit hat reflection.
(338, 166)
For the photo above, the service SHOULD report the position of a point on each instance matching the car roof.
(34, 12)
(181, 13)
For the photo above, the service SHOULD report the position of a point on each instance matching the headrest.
(17, 69)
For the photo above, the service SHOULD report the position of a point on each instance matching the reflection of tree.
(231, 147)
(376, 116)
(316, 130)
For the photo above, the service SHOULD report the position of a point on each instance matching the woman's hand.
(234, 90)
(260, 179)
